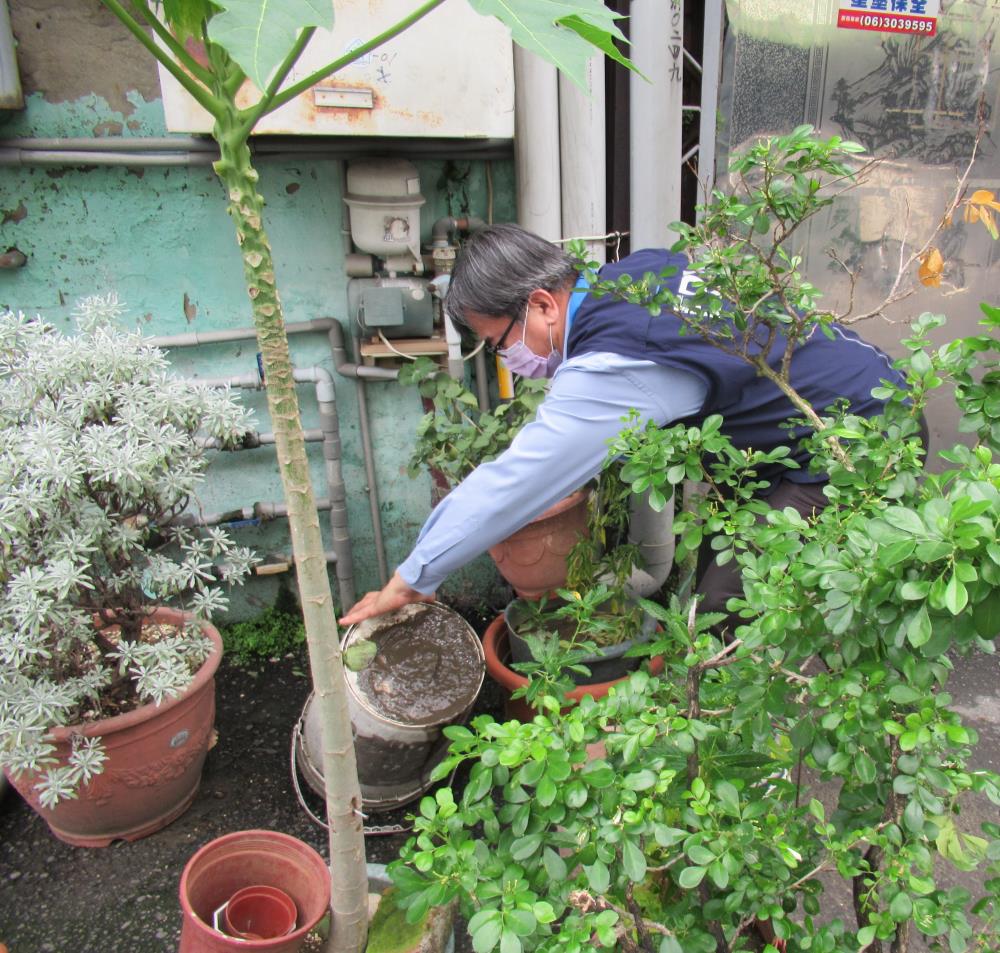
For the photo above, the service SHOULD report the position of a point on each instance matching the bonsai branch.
(585, 902)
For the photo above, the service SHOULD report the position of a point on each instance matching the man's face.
(496, 332)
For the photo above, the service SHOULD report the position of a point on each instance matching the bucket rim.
(352, 635)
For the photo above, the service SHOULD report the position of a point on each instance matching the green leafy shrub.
(697, 816)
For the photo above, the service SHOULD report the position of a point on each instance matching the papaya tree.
(259, 42)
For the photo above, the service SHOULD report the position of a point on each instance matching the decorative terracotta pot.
(533, 560)
(227, 865)
(497, 651)
(155, 756)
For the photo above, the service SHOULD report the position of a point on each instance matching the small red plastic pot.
(260, 912)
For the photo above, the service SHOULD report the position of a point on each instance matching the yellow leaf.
(971, 213)
(982, 197)
(987, 218)
(931, 267)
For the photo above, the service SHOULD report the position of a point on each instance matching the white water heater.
(450, 75)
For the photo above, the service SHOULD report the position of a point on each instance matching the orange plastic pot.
(155, 756)
(260, 912)
(224, 867)
(533, 560)
(497, 651)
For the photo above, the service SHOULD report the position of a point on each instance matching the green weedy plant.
(456, 436)
(98, 452)
(272, 632)
(698, 819)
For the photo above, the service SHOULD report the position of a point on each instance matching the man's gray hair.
(499, 267)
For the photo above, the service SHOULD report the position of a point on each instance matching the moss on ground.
(389, 932)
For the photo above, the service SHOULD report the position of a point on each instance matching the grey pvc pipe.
(653, 533)
(329, 433)
(711, 70)
(344, 366)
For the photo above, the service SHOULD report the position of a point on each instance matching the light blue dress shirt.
(558, 452)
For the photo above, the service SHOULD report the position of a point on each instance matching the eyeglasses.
(497, 346)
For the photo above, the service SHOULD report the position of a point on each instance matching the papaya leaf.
(566, 33)
(258, 34)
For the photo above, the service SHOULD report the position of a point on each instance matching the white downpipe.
(657, 36)
(536, 144)
(656, 32)
(582, 158)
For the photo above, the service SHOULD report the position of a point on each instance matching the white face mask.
(520, 359)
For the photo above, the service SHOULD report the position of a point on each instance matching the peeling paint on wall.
(161, 238)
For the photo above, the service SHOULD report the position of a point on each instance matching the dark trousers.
(718, 584)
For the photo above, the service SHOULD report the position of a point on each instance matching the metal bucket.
(426, 674)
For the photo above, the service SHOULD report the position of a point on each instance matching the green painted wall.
(161, 239)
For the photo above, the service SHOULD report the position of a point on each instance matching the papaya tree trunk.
(343, 793)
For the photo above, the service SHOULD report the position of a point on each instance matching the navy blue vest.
(753, 409)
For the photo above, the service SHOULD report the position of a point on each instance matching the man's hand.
(395, 595)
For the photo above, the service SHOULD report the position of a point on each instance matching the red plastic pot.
(497, 653)
(155, 756)
(260, 912)
(227, 865)
(533, 560)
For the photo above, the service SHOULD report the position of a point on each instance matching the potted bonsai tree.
(99, 455)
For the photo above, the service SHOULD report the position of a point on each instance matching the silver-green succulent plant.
(99, 453)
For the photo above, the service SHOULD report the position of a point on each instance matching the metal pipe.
(482, 385)
(444, 227)
(536, 144)
(31, 157)
(190, 150)
(113, 144)
(369, 456)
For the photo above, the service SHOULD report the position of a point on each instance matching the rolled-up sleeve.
(558, 452)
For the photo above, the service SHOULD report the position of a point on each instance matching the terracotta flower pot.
(155, 756)
(497, 651)
(224, 867)
(533, 560)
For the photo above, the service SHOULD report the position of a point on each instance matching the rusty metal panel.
(449, 75)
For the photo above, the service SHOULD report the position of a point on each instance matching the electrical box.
(396, 307)
(450, 75)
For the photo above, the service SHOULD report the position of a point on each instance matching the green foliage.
(554, 29)
(273, 632)
(695, 821)
(258, 34)
(456, 436)
(99, 457)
